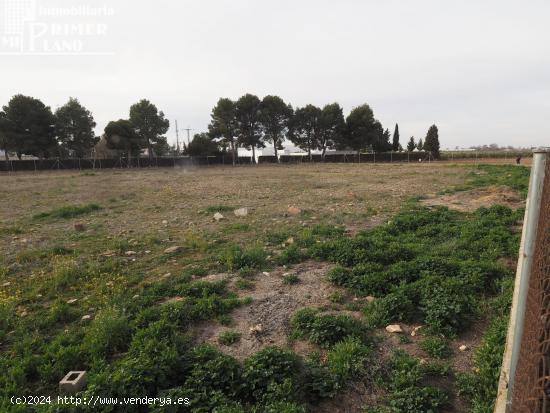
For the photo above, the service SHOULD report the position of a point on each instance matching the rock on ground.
(394, 328)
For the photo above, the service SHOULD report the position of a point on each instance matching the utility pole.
(188, 130)
(177, 139)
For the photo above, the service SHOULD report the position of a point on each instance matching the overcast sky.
(478, 69)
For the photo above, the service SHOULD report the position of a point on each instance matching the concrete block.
(73, 382)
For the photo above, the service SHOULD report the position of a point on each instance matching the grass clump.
(66, 212)
(291, 255)
(407, 391)
(291, 279)
(326, 329)
(236, 258)
(244, 284)
(108, 334)
(347, 358)
(228, 338)
(436, 347)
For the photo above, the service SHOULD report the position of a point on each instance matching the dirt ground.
(266, 321)
(172, 202)
(468, 201)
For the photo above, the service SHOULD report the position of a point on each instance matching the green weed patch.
(66, 212)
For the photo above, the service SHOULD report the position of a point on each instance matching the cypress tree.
(395, 143)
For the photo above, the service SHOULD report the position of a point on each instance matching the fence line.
(60, 164)
(525, 375)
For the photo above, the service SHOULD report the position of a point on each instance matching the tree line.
(28, 126)
(253, 123)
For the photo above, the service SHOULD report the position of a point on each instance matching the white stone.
(394, 328)
(415, 331)
(463, 347)
(171, 250)
(130, 253)
(86, 317)
(72, 301)
(218, 216)
(241, 212)
(369, 298)
(257, 329)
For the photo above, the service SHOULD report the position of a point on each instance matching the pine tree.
(431, 143)
(420, 145)
(395, 143)
(411, 145)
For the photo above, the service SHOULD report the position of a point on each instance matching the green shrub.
(347, 358)
(243, 284)
(326, 329)
(236, 258)
(447, 304)
(436, 346)
(270, 365)
(407, 393)
(196, 270)
(200, 289)
(291, 279)
(155, 360)
(214, 371)
(61, 355)
(61, 312)
(291, 255)
(337, 297)
(418, 400)
(396, 306)
(339, 276)
(229, 337)
(319, 381)
(108, 334)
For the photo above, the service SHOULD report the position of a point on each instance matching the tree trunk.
(323, 153)
(6, 156)
(309, 153)
(150, 150)
(233, 152)
(253, 155)
(276, 153)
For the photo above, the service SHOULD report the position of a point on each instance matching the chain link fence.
(525, 377)
(531, 390)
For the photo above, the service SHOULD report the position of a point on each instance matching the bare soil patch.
(469, 201)
(265, 322)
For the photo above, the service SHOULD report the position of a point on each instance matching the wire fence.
(531, 384)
